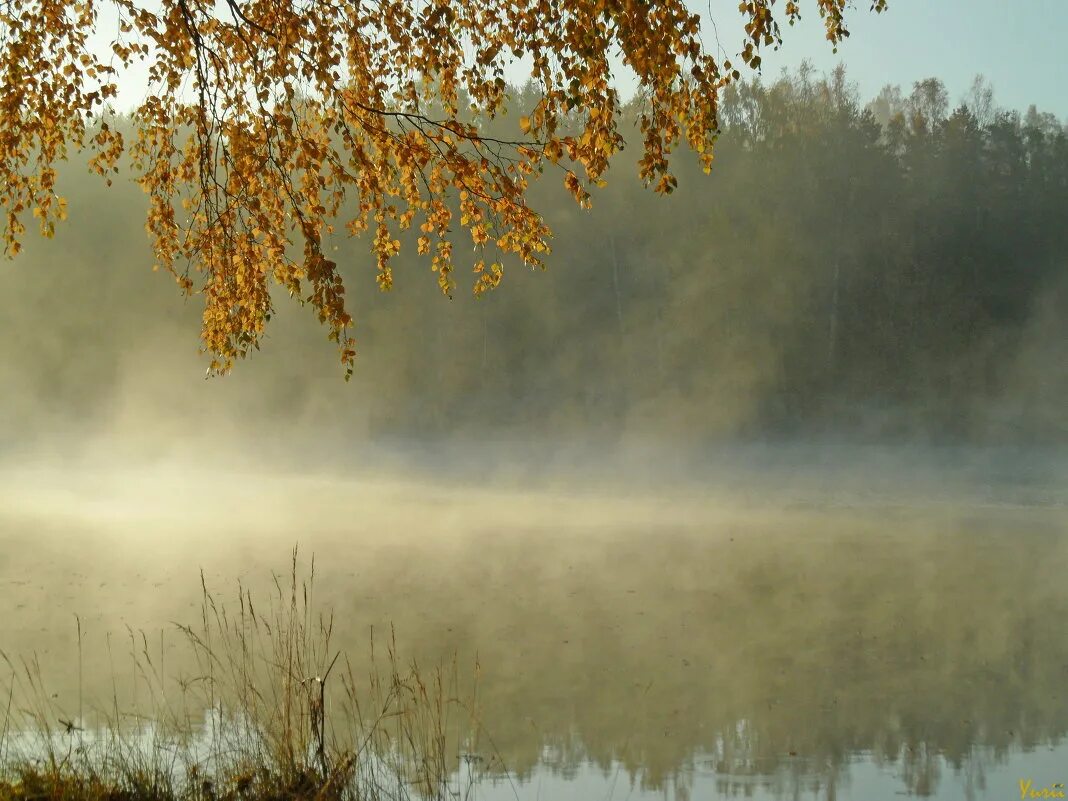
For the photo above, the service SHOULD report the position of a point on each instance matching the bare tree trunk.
(623, 374)
(832, 339)
(662, 284)
(485, 343)
(615, 284)
(659, 341)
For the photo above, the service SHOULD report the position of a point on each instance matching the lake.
(652, 643)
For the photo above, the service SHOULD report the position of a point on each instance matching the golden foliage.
(270, 119)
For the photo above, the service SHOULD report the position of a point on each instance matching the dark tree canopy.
(850, 267)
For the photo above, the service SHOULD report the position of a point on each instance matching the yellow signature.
(1028, 790)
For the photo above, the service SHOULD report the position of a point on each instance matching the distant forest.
(882, 270)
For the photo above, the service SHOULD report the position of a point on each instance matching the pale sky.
(1021, 46)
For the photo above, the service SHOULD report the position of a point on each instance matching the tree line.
(883, 269)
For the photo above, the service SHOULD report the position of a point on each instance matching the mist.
(775, 465)
(883, 273)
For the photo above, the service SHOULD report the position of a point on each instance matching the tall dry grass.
(269, 710)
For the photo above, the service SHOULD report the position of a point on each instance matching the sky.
(1021, 46)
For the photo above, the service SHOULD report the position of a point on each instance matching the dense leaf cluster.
(266, 124)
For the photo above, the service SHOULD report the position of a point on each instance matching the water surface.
(688, 645)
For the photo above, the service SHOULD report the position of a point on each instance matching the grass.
(266, 710)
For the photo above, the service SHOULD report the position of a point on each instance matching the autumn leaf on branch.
(268, 122)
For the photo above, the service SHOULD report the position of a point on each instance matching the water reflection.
(747, 652)
(787, 651)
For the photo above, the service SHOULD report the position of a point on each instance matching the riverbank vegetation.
(260, 707)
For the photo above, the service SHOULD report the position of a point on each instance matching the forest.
(887, 269)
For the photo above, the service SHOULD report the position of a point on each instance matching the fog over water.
(759, 491)
(684, 641)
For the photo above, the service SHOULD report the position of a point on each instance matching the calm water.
(702, 645)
